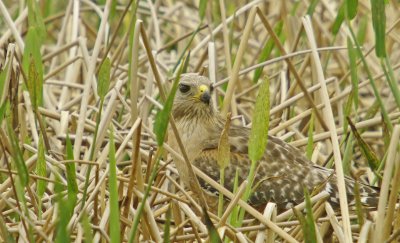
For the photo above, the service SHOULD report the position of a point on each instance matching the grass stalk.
(334, 138)
(238, 60)
(380, 232)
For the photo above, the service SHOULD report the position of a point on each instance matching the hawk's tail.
(369, 196)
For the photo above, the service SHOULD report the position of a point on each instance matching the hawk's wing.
(281, 173)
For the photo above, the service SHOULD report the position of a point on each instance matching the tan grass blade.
(334, 138)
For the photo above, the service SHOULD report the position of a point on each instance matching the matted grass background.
(82, 82)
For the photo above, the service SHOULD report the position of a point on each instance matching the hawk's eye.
(184, 88)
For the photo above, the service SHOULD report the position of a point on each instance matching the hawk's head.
(193, 97)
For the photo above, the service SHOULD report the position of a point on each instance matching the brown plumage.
(282, 172)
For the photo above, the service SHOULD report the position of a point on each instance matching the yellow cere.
(203, 88)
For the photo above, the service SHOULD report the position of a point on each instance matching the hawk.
(282, 172)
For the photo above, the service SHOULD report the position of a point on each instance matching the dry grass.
(309, 71)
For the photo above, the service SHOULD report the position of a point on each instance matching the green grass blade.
(186, 63)
(22, 201)
(347, 111)
(358, 204)
(366, 150)
(258, 136)
(69, 151)
(379, 24)
(301, 218)
(35, 19)
(202, 9)
(311, 7)
(113, 189)
(71, 175)
(390, 77)
(348, 155)
(353, 70)
(372, 83)
(309, 231)
(32, 52)
(306, 222)
(362, 29)
(259, 130)
(7, 237)
(87, 230)
(35, 85)
(266, 52)
(212, 231)
(233, 217)
(386, 135)
(162, 117)
(3, 76)
(3, 109)
(133, 11)
(372, 110)
(48, 9)
(18, 159)
(339, 20)
(41, 171)
(351, 7)
(113, 10)
(104, 78)
(62, 234)
(167, 225)
(295, 8)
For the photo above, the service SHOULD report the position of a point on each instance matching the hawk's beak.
(204, 94)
